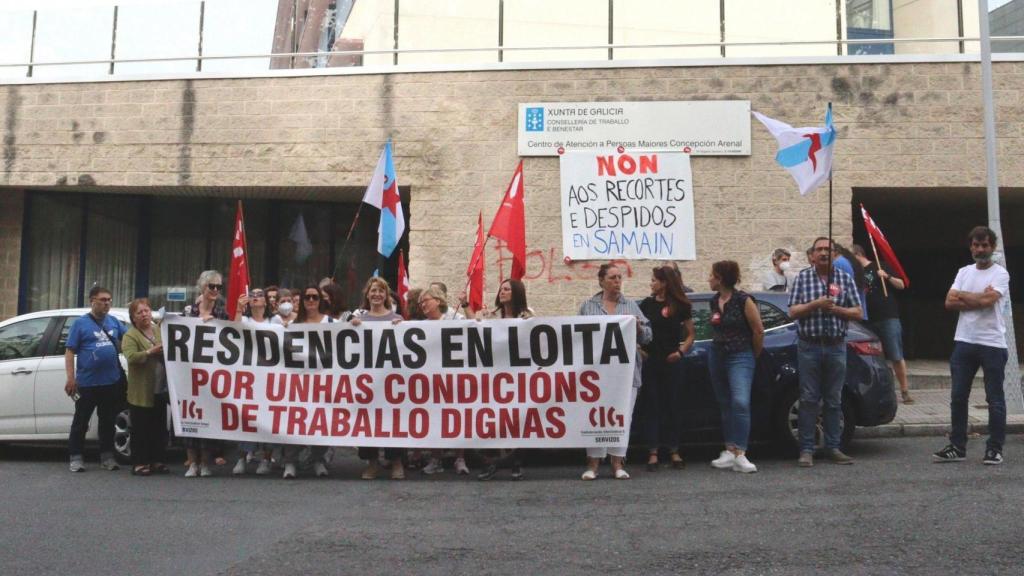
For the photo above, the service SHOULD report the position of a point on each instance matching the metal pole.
(32, 46)
(199, 60)
(113, 43)
(1011, 383)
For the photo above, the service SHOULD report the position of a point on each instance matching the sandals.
(141, 471)
(906, 397)
(159, 469)
(677, 461)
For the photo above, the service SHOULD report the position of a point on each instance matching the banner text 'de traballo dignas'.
(627, 205)
(553, 382)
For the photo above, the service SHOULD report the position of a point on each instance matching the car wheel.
(123, 436)
(787, 418)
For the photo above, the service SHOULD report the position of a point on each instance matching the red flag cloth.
(885, 251)
(475, 272)
(403, 285)
(510, 223)
(238, 278)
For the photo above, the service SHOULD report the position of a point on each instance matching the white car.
(33, 405)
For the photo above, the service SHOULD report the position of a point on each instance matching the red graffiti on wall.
(545, 265)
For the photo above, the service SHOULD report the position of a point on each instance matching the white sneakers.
(320, 469)
(433, 467)
(264, 468)
(742, 465)
(193, 471)
(724, 460)
(460, 467)
(289, 472)
(730, 461)
(239, 468)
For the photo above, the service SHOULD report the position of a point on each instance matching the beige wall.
(900, 125)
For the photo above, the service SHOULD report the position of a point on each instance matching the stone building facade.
(901, 125)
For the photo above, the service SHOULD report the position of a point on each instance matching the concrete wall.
(900, 125)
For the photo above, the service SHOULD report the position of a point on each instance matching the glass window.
(54, 250)
(21, 339)
(425, 24)
(667, 22)
(62, 339)
(701, 321)
(771, 317)
(64, 34)
(112, 239)
(222, 36)
(178, 247)
(780, 21)
(15, 42)
(370, 26)
(563, 23)
(304, 246)
(157, 30)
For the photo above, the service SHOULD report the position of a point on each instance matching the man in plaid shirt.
(823, 301)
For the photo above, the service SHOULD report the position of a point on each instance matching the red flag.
(403, 285)
(475, 272)
(238, 279)
(510, 223)
(885, 251)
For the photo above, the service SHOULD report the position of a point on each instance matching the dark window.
(21, 339)
(771, 317)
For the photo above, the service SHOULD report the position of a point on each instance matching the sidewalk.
(929, 416)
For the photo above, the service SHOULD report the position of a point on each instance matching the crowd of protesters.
(823, 298)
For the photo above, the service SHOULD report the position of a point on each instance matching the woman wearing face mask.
(312, 311)
(147, 390)
(738, 339)
(671, 318)
(286, 311)
(509, 302)
(610, 300)
(379, 307)
(210, 306)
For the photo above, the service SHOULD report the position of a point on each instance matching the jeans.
(732, 376)
(149, 432)
(104, 400)
(822, 374)
(661, 421)
(963, 365)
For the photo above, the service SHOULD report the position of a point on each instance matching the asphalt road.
(893, 512)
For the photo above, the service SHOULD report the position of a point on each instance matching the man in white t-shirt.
(980, 293)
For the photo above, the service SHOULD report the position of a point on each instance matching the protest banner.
(551, 383)
(632, 205)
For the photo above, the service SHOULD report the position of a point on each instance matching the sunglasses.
(256, 294)
(215, 286)
(311, 296)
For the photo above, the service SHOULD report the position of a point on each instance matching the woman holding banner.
(147, 390)
(611, 301)
(671, 318)
(738, 336)
(209, 306)
(509, 302)
(253, 309)
(434, 306)
(312, 311)
(379, 307)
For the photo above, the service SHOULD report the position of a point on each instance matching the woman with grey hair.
(209, 306)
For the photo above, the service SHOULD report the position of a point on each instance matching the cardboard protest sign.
(552, 382)
(627, 206)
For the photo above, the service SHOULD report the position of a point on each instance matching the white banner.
(700, 128)
(633, 205)
(540, 383)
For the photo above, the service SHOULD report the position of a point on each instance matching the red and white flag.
(885, 251)
(238, 278)
(403, 285)
(475, 272)
(510, 223)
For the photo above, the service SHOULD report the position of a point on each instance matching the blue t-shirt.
(843, 264)
(98, 364)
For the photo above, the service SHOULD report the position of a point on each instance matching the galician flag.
(805, 152)
(382, 193)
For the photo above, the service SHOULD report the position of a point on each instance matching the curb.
(913, 430)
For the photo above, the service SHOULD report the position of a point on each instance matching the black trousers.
(149, 432)
(391, 454)
(102, 399)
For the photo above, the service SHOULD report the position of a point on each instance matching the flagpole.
(344, 246)
(245, 246)
(878, 261)
(831, 242)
